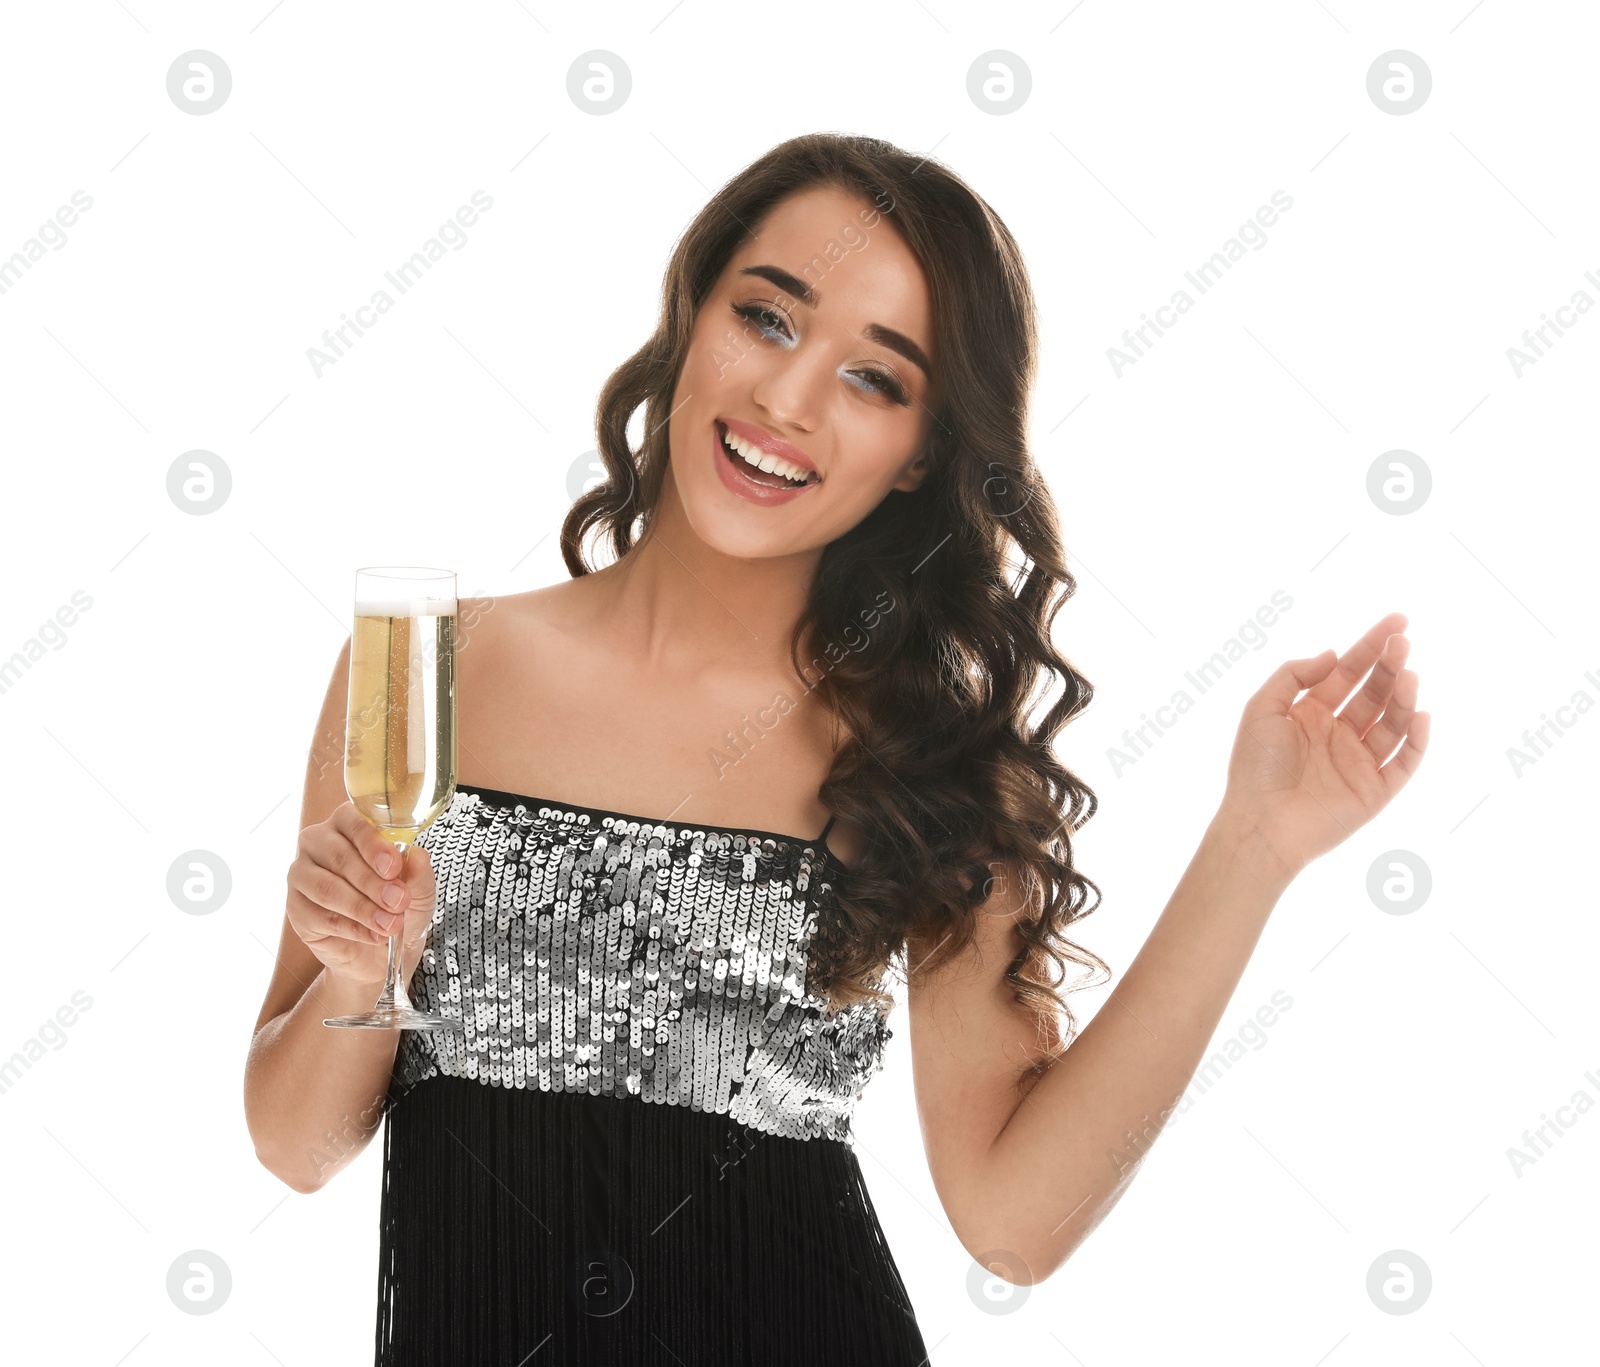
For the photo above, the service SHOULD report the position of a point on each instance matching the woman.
(835, 569)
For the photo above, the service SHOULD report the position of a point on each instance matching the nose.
(790, 388)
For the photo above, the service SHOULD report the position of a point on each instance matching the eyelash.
(888, 386)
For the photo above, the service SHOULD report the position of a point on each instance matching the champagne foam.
(406, 607)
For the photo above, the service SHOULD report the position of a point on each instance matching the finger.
(333, 892)
(419, 869)
(1363, 709)
(1274, 697)
(1397, 772)
(1355, 662)
(313, 922)
(359, 854)
(379, 854)
(1390, 728)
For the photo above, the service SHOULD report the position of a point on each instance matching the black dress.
(639, 1150)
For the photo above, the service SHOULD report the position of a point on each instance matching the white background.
(1377, 1113)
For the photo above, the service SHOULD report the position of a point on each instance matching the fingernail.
(393, 895)
(386, 865)
(387, 923)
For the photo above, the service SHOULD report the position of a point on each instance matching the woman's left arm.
(1032, 1176)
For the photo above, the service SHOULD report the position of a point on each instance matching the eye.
(756, 312)
(881, 381)
(885, 384)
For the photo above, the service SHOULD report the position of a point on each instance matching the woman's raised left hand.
(1304, 778)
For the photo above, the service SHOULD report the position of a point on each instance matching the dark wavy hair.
(935, 757)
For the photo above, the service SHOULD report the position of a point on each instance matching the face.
(831, 386)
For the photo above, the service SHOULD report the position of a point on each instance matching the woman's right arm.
(313, 1096)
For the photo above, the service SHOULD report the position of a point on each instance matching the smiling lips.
(759, 444)
(765, 488)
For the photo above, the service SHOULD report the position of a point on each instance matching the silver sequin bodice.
(592, 952)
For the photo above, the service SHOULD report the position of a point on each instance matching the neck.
(686, 606)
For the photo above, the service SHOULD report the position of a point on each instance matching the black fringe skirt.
(527, 1227)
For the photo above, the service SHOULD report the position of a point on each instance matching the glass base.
(396, 1018)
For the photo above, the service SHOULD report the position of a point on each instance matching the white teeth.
(754, 455)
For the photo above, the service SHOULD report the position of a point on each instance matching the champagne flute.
(400, 736)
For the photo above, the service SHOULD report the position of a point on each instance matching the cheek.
(699, 364)
(869, 483)
(710, 368)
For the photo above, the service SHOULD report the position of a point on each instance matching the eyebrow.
(874, 332)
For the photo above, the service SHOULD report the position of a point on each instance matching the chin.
(721, 532)
(733, 529)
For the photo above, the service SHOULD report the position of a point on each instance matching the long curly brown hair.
(936, 759)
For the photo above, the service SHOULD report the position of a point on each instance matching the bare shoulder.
(493, 619)
(547, 602)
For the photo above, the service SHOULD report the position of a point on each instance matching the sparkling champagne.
(400, 733)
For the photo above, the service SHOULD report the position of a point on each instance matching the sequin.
(618, 957)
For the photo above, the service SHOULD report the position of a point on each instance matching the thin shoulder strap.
(824, 836)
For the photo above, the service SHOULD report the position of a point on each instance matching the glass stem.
(393, 996)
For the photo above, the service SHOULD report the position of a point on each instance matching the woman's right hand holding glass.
(348, 893)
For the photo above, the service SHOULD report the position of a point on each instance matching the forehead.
(838, 243)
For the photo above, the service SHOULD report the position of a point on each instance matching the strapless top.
(593, 951)
(534, 1201)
